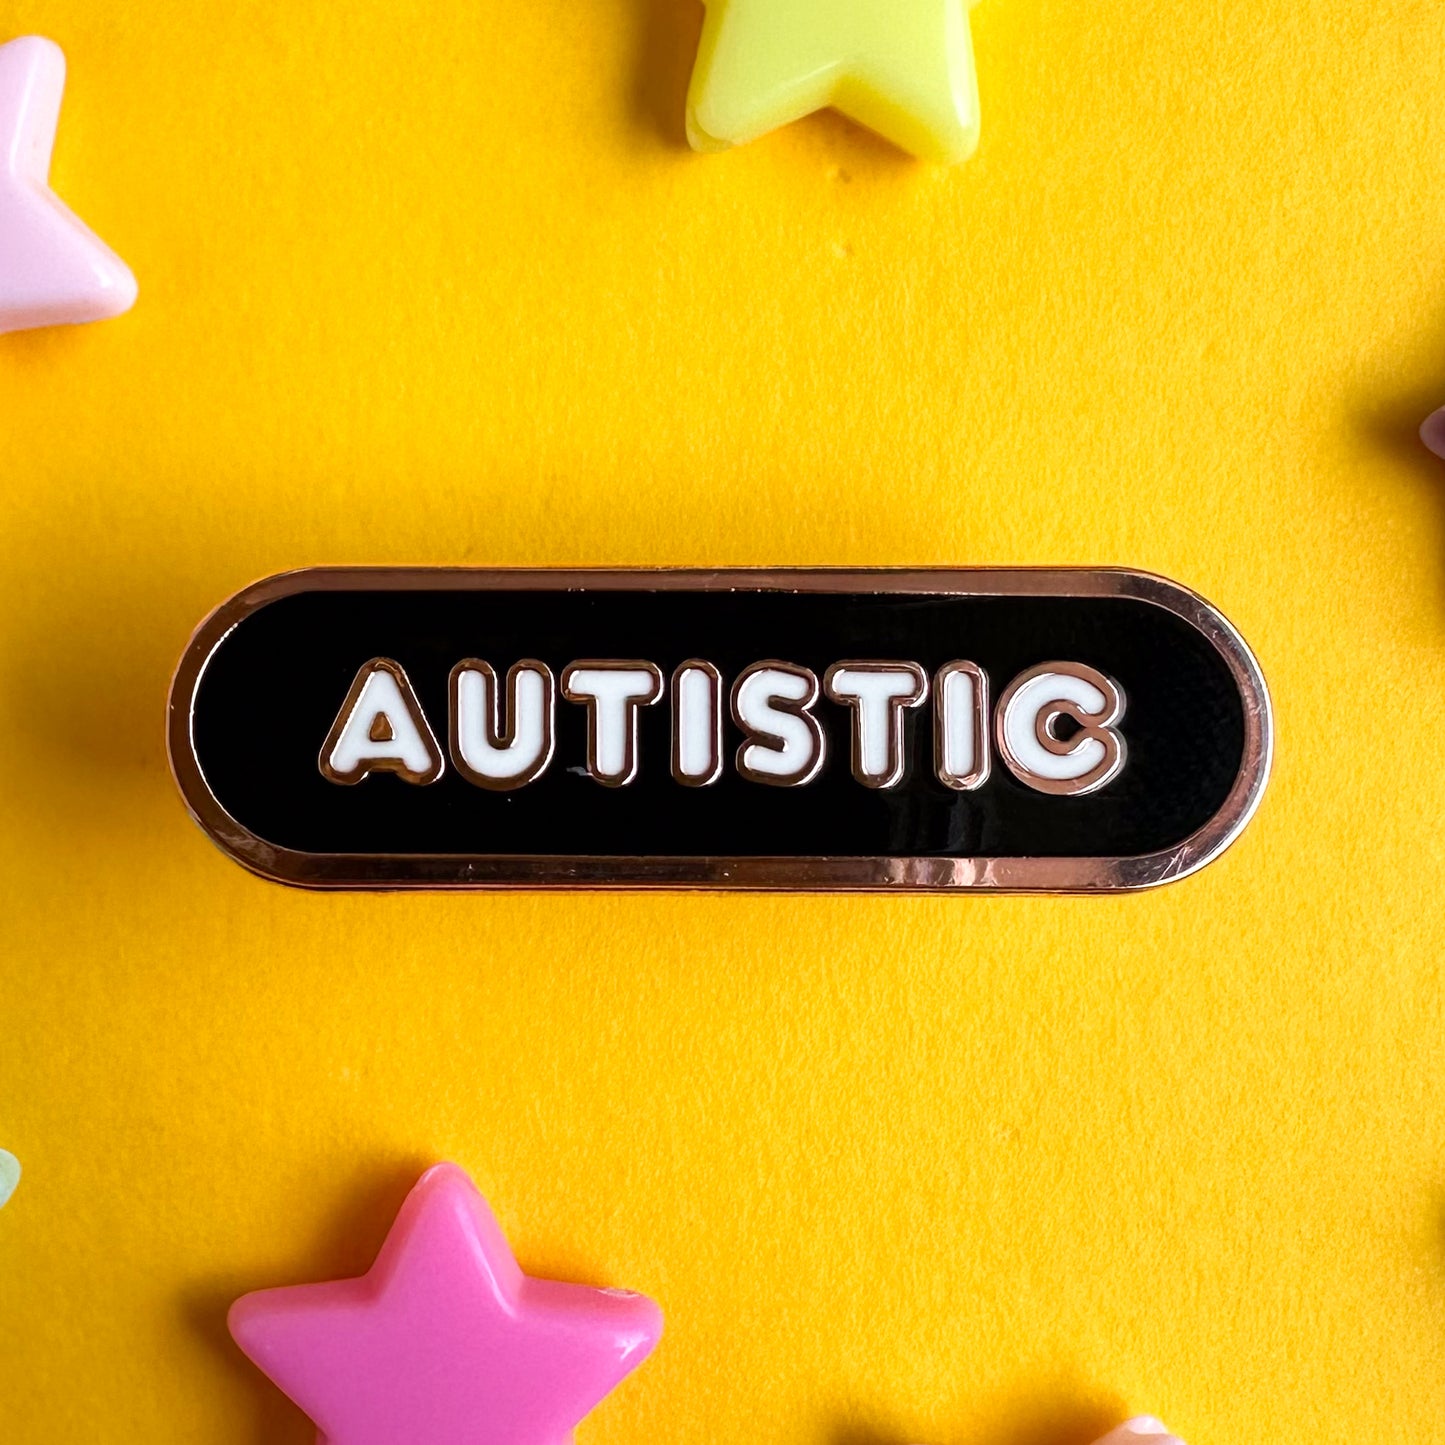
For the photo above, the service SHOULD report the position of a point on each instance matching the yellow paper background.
(438, 283)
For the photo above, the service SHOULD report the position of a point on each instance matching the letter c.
(1070, 766)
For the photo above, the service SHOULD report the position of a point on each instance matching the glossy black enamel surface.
(269, 691)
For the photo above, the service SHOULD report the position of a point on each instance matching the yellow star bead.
(903, 68)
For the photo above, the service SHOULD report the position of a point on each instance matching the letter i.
(697, 756)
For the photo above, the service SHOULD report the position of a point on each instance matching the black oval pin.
(1034, 730)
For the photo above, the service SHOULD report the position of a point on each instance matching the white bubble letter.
(772, 703)
(877, 693)
(1077, 760)
(613, 693)
(960, 726)
(495, 745)
(696, 724)
(381, 729)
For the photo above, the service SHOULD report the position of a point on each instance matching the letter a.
(381, 729)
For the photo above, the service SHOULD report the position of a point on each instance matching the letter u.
(502, 746)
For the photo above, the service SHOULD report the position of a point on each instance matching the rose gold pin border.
(789, 874)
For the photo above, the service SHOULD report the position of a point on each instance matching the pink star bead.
(53, 268)
(444, 1341)
(1141, 1430)
(1432, 433)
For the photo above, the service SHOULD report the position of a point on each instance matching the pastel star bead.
(1432, 433)
(53, 268)
(1140, 1428)
(903, 68)
(9, 1176)
(444, 1341)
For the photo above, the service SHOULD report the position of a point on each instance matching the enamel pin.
(1057, 731)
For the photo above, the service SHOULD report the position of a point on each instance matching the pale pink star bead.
(53, 268)
(1141, 1427)
(1432, 432)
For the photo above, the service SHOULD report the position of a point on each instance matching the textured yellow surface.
(441, 283)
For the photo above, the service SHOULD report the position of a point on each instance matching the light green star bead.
(903, 68)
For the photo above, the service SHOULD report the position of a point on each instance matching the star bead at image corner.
(444, 1339)
(904, 70)
(1432, 432)
(1141, 1428)
(53, 268)
(9, 1176)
